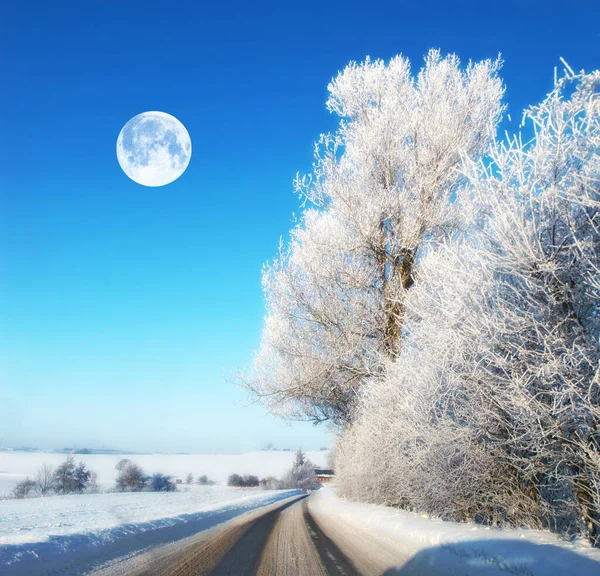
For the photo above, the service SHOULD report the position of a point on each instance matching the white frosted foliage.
(384, 188)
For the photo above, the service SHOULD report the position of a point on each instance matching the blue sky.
(123, 307)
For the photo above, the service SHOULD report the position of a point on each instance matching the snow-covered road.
(207, 529)
(67, 533)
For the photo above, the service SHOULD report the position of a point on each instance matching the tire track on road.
(215, 550)
(245, 558)
(335, 561)
(289, 550)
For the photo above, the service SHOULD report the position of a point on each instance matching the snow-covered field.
(58, 529)
(37, 519)
(436, 547)
(15, 466)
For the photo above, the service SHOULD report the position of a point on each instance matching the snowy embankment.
(420, 545)
(58, 532)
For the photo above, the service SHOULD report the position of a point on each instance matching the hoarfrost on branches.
(384, 188)
(491, 412)
(439, 299)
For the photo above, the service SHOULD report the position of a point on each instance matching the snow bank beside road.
(423, 546)
(44, 533)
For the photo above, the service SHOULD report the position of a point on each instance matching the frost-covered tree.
(300, 459)
(161, 483)
(302, 474)
(25, 489)
(44, 479)
(540, 320)
(491, 411)
(131, 477)
(70, 477)
(384, 188)
(302, 478)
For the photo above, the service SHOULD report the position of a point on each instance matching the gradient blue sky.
(123, 307)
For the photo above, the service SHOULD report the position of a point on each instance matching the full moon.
(154, 148)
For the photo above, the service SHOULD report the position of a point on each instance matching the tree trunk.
(394, 305)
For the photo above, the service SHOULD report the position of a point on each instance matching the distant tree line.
(132, 478)
(75, 478)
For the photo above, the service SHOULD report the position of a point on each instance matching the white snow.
(15, 465)
(55, 530)
(37, 519)
(438, 547)
(43, 534)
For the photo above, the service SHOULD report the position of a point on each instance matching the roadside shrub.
(235, 480)
(246, 481)
(270, 483)
(203, 480)
(25, 489)
(131, 477)
(161, 483)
